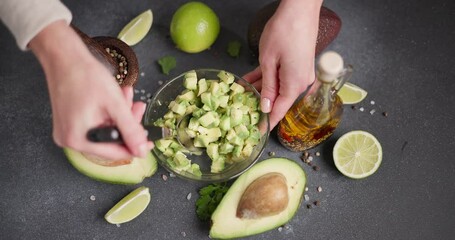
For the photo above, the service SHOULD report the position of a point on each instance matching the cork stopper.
(329, 66)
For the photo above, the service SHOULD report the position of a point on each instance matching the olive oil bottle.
(314, 118)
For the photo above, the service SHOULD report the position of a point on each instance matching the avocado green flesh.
(132, 173)
(225, 223)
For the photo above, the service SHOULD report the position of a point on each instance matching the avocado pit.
(266, 196)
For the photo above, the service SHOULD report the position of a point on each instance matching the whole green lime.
(194, 27)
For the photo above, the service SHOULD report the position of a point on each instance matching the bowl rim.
(266, 135)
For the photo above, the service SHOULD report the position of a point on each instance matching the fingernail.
(143, 150)
(266, 105)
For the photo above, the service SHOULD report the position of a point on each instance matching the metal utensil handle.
(105, 134)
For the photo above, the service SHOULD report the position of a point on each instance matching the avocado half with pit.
(131, 173)
(263, 198)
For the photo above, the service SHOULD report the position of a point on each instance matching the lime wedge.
(137, 28)
(351, 94)
(357, 154)
(129, 207)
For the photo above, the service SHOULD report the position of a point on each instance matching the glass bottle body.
(312, 119)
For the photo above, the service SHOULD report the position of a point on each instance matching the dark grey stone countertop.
(403, 55)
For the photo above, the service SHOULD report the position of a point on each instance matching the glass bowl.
(158, 106)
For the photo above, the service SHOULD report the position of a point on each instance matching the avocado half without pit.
(263, 198)
(126, 171)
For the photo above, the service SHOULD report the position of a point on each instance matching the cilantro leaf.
(209, 198)
(233, 48)
(167, 63)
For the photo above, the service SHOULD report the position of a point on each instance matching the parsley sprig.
(209, 198)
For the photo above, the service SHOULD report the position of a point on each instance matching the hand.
(286, 56)
(85, 95)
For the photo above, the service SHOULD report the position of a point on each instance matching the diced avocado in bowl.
(222, 118)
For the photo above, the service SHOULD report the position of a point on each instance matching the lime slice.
(351, 94)
(357, 154)
(137, 28)
(129, 207)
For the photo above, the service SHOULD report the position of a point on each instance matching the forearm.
(58, 46)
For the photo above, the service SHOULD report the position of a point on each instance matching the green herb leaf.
(209, 198)
(233, 48)
(167, 63)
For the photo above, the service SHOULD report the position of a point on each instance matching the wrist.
(57, 46)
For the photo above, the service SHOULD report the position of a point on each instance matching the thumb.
(269, 91)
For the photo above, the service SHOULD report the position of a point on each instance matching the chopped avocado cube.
(224, 88)
(254, 117)
(247, 150)
(190, 133)
(182, 163)
(212, 151)
(162, 144)
(230, 135)
(190, 109)
(196, 170)
(215, 88)
(188, 96)
(193, 124)
(241, 131)
(197, 113)
(237, 151)
(237, 141)
(217, 166)
(226, 148)
(239, 98)
(223, 101)
(169, 115)
(202, 86)
(236, 117)
(237, 88)
(226, 77)
(178, 108)
(159, 122)
(225, 123)
(208, 119)
(246, 120)
(206, 99)
(190, 74)
(190, 83)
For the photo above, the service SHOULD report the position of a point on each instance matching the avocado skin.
(329, 27)
(224, 222)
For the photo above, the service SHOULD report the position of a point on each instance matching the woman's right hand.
(84, 95)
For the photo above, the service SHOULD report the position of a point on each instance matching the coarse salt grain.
(372, 112)
(93, 198)
(142, 74)
(136, 91)
(118, 225)
(319, 189)
(188, 197)
(372, 102)
(306, 197)
(171, 175)
(318, 154)
(280, 229)
(361, 109)
(160, 82)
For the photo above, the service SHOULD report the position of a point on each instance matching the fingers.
(254, 75)
(270, 86)
(138, 110)
(128, 94)
(282, 104)
(133, 133)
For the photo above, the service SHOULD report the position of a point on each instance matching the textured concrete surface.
(402, 53)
